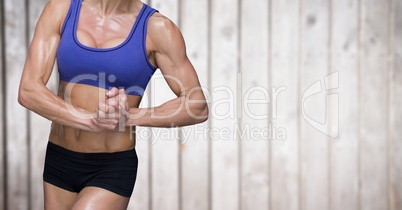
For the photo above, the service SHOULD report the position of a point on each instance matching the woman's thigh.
(58, 198)
(95, 198)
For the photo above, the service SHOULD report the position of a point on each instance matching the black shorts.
(73, 171)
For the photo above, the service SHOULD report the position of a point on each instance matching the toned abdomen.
(88, 97)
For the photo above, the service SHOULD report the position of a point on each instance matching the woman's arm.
(190, 106)
(33, 93)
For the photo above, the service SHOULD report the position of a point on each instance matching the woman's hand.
(118, 100)
(113, 113)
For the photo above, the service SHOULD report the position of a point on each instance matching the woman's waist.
(86, 141)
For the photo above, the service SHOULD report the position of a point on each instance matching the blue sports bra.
(123, 66)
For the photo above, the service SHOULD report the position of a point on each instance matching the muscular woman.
(106, 52)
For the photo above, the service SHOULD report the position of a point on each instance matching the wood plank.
(284, 77)
(2, 132)
(165, 142)
(344, 188)
(314, 143)
(195, 142)
(395, 108)
(16, 125)
(255, 104)
(374, 104)
(224, 67)
(39, 126)
(141, 198)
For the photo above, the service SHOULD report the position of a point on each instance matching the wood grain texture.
(165, 141)
(395, 107)
(314, 143)
(141, 197)
(283, 46)
(224, 110)
(255, 104)
(284, 168)
(140, 200)
(16, 125)
(2, 131)
(374, 104)
(344, 190)
(39, 126)
(194, 148)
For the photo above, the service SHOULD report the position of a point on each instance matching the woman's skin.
(90, 119)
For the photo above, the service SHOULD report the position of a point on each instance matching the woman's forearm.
(42, 101)
(180, 111)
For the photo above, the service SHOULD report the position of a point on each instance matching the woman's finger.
(102, 127)
(112, 93)
(113, 102)
(103, 107)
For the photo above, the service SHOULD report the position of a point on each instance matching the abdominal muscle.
(88, 97)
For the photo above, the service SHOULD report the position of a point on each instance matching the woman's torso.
(87, 41)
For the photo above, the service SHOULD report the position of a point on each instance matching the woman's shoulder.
(158, 19)
(164, 34)
(57, 5)
(56, 11)
(159, 24)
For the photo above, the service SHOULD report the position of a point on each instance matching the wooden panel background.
(305, 109)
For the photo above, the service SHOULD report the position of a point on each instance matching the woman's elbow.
(204, 113)
(23, 96)
(200, 113)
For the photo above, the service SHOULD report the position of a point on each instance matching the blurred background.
(305, 101)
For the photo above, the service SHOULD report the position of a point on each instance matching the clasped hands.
(113, 112)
